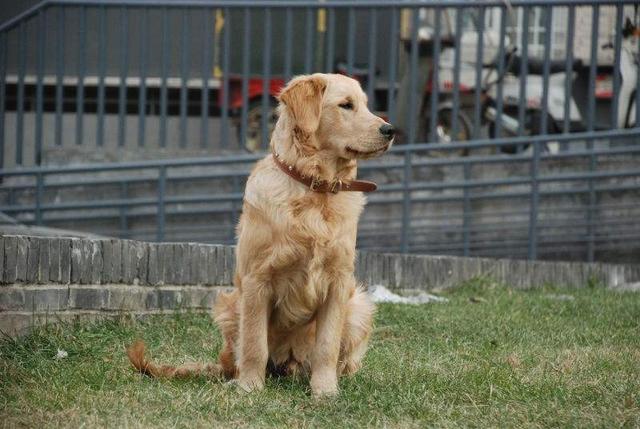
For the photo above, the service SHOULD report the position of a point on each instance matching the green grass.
(505, 358)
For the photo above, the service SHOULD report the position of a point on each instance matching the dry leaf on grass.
(514, 361)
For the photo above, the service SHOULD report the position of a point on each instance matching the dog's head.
(329, 112)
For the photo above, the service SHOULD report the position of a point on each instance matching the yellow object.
(322, 20)
(219, 21)
(218, 27)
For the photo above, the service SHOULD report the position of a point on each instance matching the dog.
(296, 308)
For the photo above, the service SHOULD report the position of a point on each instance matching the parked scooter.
(510, 124)
(629, 65)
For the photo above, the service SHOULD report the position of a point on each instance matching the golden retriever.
(296, 307)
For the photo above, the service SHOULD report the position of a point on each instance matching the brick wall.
(63, 279)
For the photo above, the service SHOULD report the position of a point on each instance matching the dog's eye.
(348, 105)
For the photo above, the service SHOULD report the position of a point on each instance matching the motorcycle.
(509, 119)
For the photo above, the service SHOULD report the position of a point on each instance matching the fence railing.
(519, 139)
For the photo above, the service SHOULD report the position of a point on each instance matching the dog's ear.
(303, 98)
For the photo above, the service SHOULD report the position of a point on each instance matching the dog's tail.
(136, 353)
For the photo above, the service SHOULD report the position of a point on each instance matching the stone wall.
(63, 279)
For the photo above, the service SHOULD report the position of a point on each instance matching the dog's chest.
(324, 218)
(322, 237)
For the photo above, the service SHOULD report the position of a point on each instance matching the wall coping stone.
(87, 261)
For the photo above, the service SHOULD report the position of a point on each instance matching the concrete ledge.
(23, 306)
(19, 323)
(397, 271)
(51, 278)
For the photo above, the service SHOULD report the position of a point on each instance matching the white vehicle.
(556, 102)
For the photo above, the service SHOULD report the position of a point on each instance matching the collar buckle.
(315, 184)
(336, 186)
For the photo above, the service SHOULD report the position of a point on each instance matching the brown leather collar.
(324, 186)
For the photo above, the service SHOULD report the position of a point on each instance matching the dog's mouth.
(368, 154)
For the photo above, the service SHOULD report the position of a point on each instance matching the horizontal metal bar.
(231, 159)
(568, 225)
(29, 13)
(510, 159)
(142, 165)
(238, 197)
(415, 186)
(526, 140)
(434, 243)
(513, 213)
(128, 180)
(379, 199)
(125, 203)
(141, 212)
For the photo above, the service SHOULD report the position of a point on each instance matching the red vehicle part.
(255, 87)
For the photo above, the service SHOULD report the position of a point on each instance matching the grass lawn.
(490, 357)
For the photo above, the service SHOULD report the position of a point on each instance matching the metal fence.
(488, 165)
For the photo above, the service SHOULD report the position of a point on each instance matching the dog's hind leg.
(356, 332)
(227, 316)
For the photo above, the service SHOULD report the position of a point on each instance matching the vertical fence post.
(206, 73)
(413, 98)
(246, 44)
(142, 94)
(501, 66)
(60, 33)
(184, 72)
(595, 17)
(102, 64)
(39, 86)
(466, 209)
(617, 49)
(288, 40)
(82, 56)
(524, 72)
(435, 76)
(124, 68)
(568, 69)
(535, 163)
(22, 69)
(308, 40)
(3, 93)
(265, 117)
(160, 212)
(393, 63)
(164, 66)
(351, 43)
(226, 47)
(234, 207)
(477, 106)
(39, 196)
(331, 40)
(371, 76)
(456, 74)
(124, 224)
(637, 122)
(477, 121)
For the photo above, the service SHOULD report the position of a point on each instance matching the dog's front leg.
(254, 320)
(329, 325)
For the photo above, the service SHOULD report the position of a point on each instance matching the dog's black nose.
(388, 131)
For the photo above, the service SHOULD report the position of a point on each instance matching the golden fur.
(296, 308)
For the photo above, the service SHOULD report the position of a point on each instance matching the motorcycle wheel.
(444, 131)
(532, 119)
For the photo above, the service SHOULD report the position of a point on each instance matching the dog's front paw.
(324, 385)
(249, 383)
